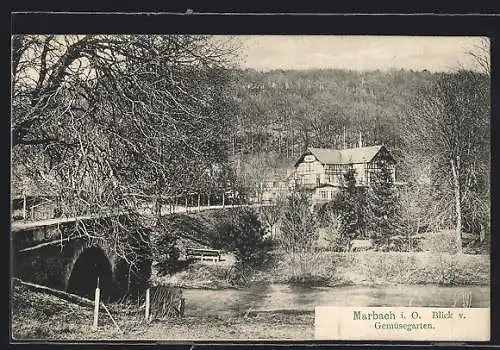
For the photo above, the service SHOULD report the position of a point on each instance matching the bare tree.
(104, 122)
(481, 55)
(447, 126)
(254, 171)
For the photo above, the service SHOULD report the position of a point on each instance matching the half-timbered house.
(322, 170)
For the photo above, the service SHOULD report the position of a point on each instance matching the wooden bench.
(203, 254)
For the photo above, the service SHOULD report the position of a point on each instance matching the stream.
(269, 297)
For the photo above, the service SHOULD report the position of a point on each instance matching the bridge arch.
(90, 264)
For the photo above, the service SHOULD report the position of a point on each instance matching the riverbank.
(251, 313)
(37, 316)
(333, 269)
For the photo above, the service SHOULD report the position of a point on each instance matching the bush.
(299, 224)
(452, 269)
(331, 236)
(440, 242)
(242, 232)
(387, 267)
(311, 268)
(165, 302)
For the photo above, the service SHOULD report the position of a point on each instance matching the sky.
(267, 52)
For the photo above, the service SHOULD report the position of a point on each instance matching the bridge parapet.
(49, 251)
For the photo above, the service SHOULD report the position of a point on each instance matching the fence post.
(199, 202)
(186, 203)
(96, 305)
(223, 199)
(147, 305)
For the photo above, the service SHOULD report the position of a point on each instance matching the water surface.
(289, 297)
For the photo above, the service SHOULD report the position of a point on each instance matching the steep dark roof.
(343, 156)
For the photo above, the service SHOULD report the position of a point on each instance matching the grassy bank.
(335, 269)
(197, 275)
(370, 268)
(36, 316)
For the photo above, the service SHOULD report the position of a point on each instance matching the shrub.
(242, 232)
(453, 269)
(299, 224)
(332, 234)
(165, 302)
(312, 268)
(440, 242)
(165, 252)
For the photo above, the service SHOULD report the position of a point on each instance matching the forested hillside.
(287, 111)
(278, 114)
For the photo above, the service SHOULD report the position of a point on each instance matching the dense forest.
(288, 111)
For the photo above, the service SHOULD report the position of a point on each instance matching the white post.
(147, 305)
(24, 205)
(186, 203)
(96, 305)
(223, 199)
(199, 202)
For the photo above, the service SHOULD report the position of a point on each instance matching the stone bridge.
(56, 254)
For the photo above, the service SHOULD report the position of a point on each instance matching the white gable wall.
(307, 172)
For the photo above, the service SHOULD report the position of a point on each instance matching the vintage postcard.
(200, 187)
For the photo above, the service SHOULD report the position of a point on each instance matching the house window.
(323, 194)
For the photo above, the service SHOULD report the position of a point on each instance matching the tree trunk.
(279, 143)
(455, 169)
(157, 208)
(158, 204)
